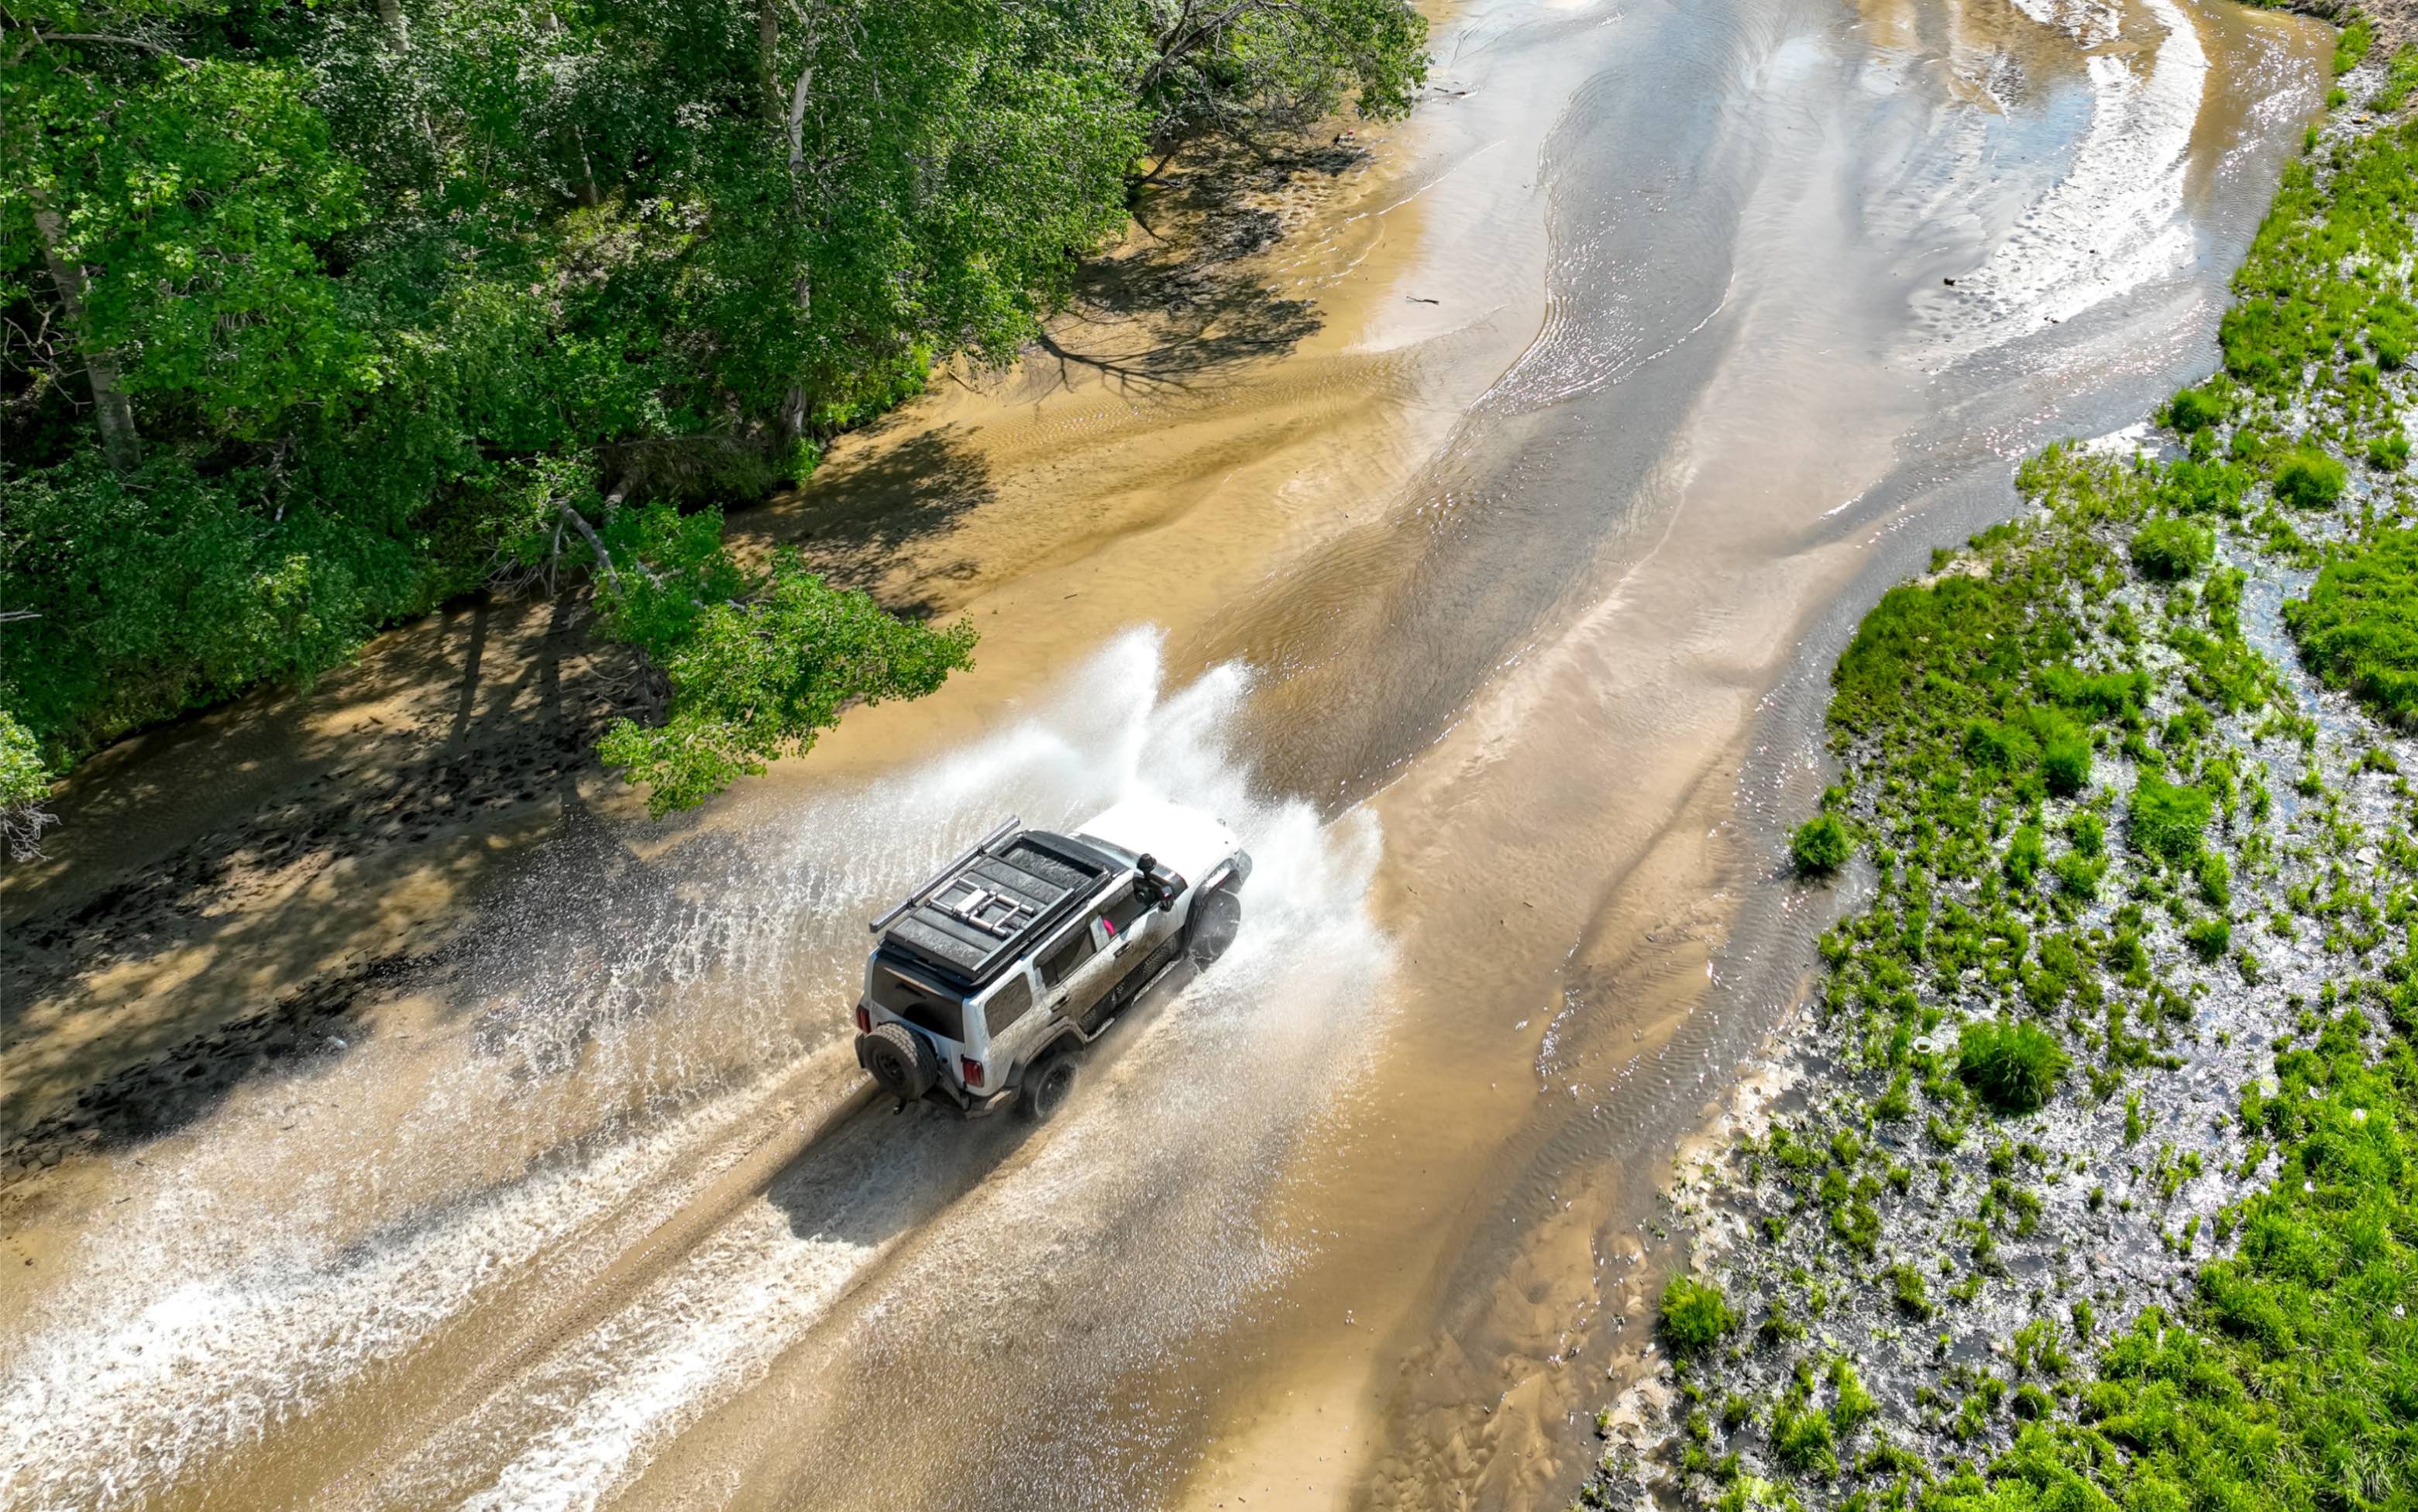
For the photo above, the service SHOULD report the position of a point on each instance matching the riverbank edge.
(2081, 1248)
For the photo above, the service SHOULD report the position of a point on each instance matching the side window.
(1124, 912)
(1070, 954)
(1007, 1003)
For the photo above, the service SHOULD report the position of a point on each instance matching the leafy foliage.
(324, 314)
(757, 680)
(25, 783)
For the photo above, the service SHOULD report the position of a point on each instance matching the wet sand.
(525, 1171)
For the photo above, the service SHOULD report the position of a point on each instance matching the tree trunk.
(797, 122)
(120, 441)
(768, 57)
(398, 27)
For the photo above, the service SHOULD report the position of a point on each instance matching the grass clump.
(2351, 47)
(1907, 1284)
(2309, 480)
(1820, 847)
(2194, 410)
(2065, 763)
(2167, 819)
(2358, 628)
(1695, 1317)
(2400, 78)
(1802, 1440)
(2209, 939)
(2170, 551)
(2013, 1066)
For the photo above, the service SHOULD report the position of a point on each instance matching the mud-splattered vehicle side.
(991, 977)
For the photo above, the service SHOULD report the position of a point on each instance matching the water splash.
(631, 1001)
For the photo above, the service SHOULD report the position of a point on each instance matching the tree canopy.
(318, 315)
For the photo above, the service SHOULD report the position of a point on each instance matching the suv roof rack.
(970, 920)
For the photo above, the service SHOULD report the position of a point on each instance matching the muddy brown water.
(1473, 524)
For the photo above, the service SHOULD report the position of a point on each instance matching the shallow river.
(1479, 549)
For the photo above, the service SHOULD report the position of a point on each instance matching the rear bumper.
(966, 1104)
(947, 1093)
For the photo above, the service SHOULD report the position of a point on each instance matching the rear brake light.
(863, 1020)
(973, 1069)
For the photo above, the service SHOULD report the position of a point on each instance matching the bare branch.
(106, 41)
(595, 541)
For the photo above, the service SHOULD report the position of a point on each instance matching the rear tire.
(900, 1061)
(1048, 1086)
(1217, 918)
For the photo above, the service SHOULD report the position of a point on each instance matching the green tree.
(321, 314)
(24, 784)
(1239, 69)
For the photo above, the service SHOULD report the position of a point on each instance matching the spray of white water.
(626, 1012)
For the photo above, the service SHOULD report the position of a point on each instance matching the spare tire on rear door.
(900, 1061)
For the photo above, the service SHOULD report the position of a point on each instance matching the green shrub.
(2111, 695)
(2167, 819)
(2309, 480)
(1695, 1317)
(2193, 409)
(2089, 833)
(2171, 550)
(2389, 454)
(2065, 763)
(1821, 845)
(2209, 939)
(2013, 1066)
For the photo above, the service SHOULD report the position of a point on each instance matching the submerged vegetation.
(317, 315)
(2098, 1198)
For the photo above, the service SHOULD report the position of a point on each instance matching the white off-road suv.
(995, 973)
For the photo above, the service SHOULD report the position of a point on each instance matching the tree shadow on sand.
(1187, 304)
(875, 518)
(475, 754)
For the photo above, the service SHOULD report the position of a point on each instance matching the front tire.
(1216, 919)
(1048, 1086)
